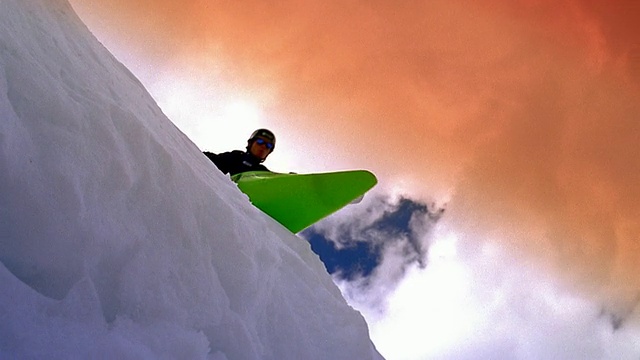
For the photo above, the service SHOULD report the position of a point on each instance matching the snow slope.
(119, 239)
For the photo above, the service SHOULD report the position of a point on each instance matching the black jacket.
(234, 162)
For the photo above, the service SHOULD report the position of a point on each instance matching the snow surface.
(119, 239)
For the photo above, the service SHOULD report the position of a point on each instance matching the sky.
(120, 240)
(519, 118)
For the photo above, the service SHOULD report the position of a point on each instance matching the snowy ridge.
(119, 239)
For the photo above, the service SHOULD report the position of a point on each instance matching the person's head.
(261, 143)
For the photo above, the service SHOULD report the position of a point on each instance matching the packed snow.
(119, 239)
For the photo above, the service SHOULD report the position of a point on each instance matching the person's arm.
(223, 160)
(262, 168)
(234, 162)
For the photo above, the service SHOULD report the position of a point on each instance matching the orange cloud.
(529, 110)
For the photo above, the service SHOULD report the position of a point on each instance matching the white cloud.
(490, 306)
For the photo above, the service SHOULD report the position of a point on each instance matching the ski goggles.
(264, 142)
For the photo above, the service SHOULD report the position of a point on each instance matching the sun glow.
(214, 119)
(243, 111)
